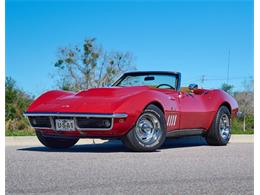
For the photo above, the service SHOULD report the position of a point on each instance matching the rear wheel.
(149, 132)
(58, 143)
(220, 130)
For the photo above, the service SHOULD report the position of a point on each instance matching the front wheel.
(57, 143)
(220, 130)
(149, 132)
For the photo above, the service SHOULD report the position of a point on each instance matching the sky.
(192, 37)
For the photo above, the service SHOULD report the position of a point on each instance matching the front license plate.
(65, 125)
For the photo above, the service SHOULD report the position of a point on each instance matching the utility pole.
(228, 66)
(202, 80)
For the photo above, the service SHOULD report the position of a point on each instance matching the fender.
(137, 103)
(220, 98)
(48, 96)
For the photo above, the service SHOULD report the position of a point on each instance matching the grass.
(19, 132)
(237, 127)
(241, 131)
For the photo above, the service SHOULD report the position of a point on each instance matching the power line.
(234, 78)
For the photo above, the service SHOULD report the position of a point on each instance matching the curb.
(242, 139)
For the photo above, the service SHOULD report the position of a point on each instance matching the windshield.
(154, 80)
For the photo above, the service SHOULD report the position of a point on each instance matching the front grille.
(40, 121)
(82, 121)
(94, 123)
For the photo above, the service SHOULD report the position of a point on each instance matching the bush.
(16, 102)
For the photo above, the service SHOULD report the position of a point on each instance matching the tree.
(90, 66)
(16, 102)
(227, 88)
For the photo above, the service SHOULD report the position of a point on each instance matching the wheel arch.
(156, 103)
(227, 105)
(217, 107)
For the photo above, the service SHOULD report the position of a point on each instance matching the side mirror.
(193, 86)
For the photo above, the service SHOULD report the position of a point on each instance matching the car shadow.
(191, 141)
(117, 146)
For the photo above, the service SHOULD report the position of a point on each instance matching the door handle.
(172, 98)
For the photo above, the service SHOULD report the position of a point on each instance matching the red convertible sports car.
(141, 108)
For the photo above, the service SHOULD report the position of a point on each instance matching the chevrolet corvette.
(140, 108)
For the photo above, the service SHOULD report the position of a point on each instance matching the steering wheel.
(171, 87)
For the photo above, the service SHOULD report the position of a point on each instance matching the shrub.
(16, 102)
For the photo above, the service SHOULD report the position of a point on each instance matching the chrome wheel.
(224, 126)
(148, 129)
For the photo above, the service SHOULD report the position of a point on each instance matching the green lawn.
(19, 133)
(240, 131)
(237, 126)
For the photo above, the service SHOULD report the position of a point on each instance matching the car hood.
(96, 100)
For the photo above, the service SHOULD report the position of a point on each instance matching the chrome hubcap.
(148, 128)
(224, 126)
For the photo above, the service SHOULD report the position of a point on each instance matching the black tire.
(56, 143)
(132, 141)
(214, 135)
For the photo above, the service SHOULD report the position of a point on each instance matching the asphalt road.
(182, 166)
